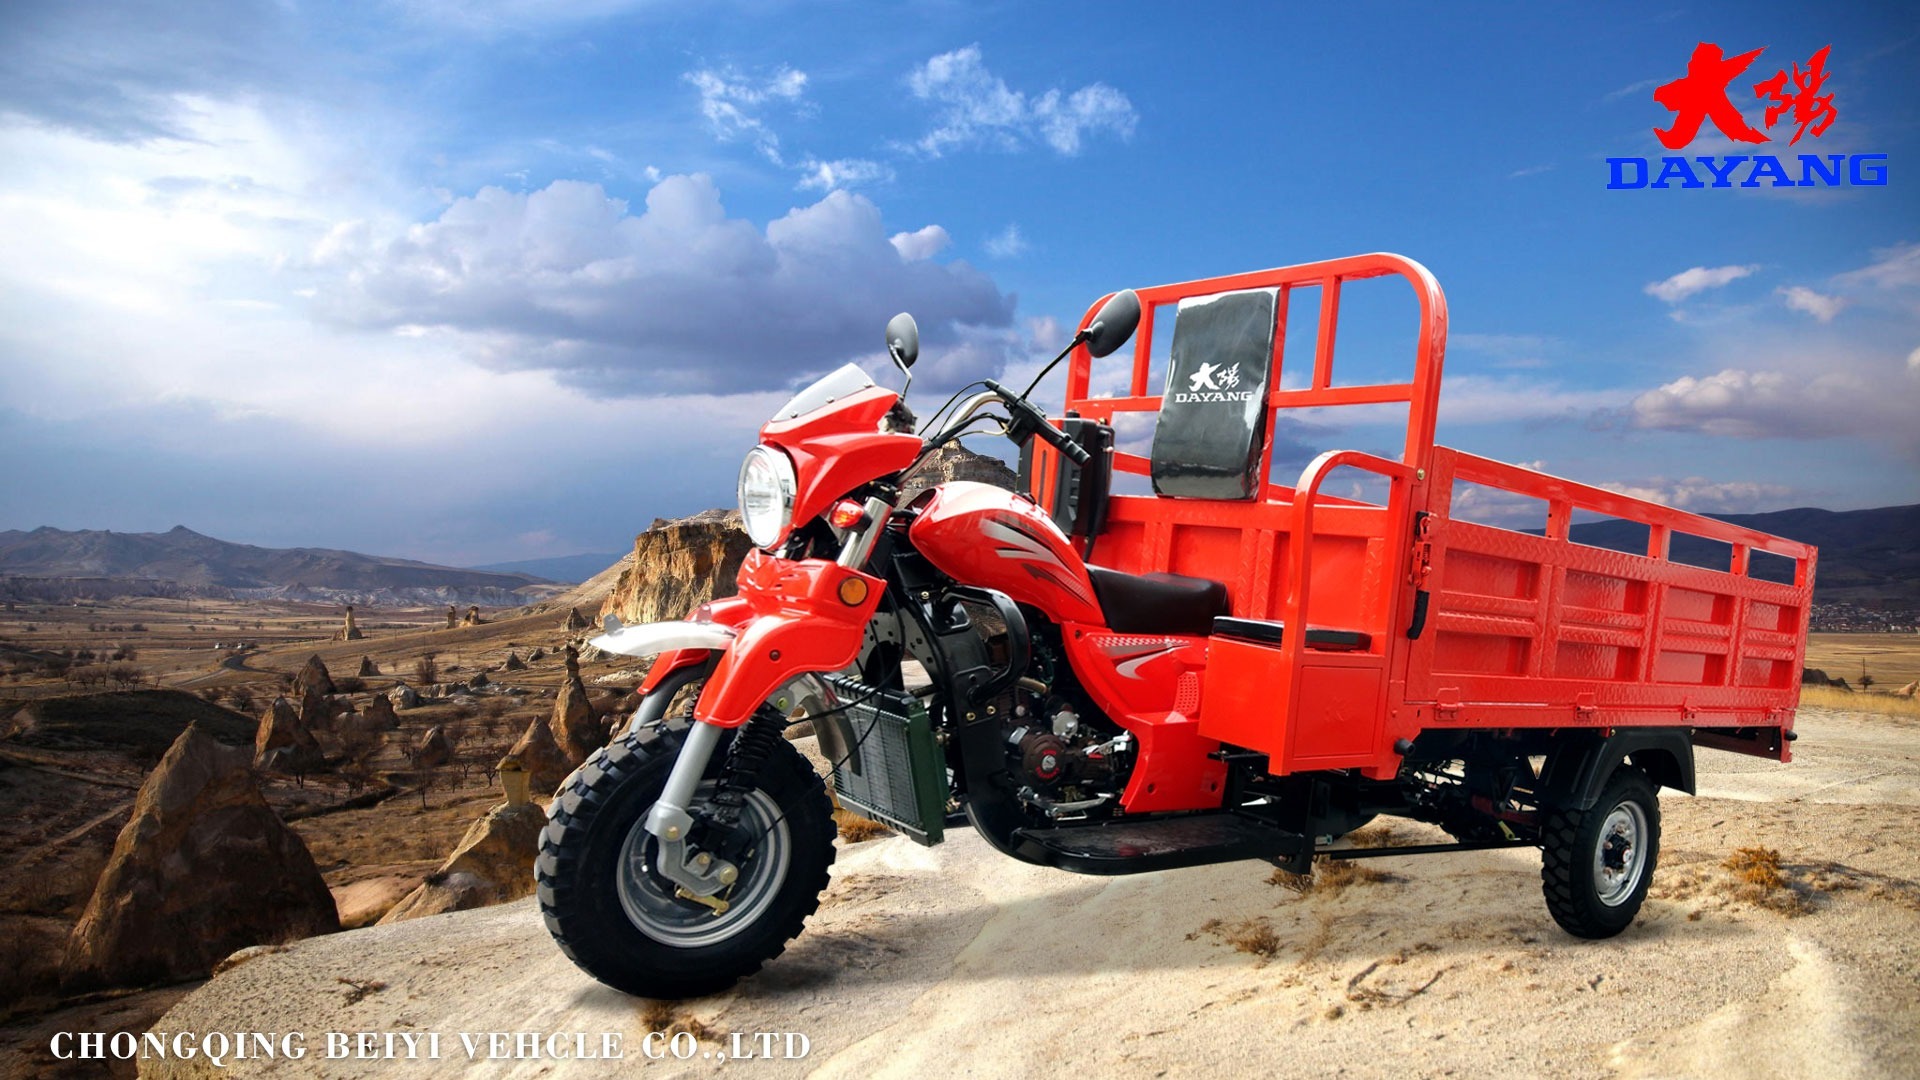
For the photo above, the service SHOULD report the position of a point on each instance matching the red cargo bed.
(1515, 629)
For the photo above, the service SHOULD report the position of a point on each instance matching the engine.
(1070, 760)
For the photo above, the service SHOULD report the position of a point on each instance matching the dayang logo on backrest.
(1212, 382)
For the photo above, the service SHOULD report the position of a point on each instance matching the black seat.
(1158, 603)
(1318, 637)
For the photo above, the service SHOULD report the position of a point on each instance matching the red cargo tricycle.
(1227, 668)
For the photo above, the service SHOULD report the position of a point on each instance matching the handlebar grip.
(1075, 452)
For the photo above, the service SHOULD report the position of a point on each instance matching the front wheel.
(616, 916)
(1596, 864)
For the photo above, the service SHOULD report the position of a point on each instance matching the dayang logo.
(1794, 101)
(1210, 382)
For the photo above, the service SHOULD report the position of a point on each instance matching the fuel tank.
(982, 535)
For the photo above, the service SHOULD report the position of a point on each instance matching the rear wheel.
(621, 920)
(1596, 864)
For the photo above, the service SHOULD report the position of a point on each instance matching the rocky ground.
(956, 961)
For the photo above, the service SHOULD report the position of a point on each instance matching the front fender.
(652, 639)
(803, 622)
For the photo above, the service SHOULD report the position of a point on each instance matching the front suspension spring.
(751, 748)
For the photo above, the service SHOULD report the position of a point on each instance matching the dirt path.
(957, 962)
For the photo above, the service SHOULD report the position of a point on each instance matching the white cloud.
(731, 101)
(679, 298)
(819, 175)
(1896, 267)
(1833, 401)
(1007, 243)
(1819, 305)
(922, 243)
(1913, 361)
(977, 108)
(1698, 279)
(1481, 399)
(1702, 496)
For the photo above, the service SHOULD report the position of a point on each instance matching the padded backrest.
(1213, 413)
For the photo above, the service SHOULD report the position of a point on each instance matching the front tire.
(1597, 864)
(622, 923)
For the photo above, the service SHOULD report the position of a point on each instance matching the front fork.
(700, 874)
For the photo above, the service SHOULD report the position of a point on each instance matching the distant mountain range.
(1867, 557)
(570, 569)
(51, 564)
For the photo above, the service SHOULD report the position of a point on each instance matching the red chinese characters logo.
(1701, 95)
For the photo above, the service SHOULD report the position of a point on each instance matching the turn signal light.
(846, 514)
(853, 592)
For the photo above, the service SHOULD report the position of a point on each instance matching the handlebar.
(1028, 421)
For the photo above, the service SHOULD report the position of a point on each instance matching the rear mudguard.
(791, 618)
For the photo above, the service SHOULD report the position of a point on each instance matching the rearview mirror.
(1114, 323)
(903, 339)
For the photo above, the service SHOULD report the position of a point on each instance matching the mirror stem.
(1055, 362)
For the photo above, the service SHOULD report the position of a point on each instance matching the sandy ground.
(956, 961)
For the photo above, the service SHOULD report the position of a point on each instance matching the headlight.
(767, 488)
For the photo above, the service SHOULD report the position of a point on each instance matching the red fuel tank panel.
(982, 535)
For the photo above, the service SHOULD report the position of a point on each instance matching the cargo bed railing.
(1708, 647)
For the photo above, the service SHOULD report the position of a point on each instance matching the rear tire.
(616, 918)
(1596, 864)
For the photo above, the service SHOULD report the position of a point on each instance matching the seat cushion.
(1158, 603)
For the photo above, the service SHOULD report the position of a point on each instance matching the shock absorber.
(751, 748)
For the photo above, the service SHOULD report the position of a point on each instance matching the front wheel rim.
(1620, 854)
(649, 900)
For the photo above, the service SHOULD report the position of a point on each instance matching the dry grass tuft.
(1756, 866)
(662, 1017)
(855, 829)
(1759, 879)
(1873, 703)
(1329, 877)
(1373, 836)
(1254, 936)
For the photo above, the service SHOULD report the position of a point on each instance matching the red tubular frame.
(1522, 630)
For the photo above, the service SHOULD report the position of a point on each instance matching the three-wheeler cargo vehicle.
(1226, 668)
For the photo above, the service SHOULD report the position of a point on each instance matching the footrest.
(1270, 633)
(1136, 847)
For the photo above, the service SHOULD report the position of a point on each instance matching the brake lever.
(1027, 421)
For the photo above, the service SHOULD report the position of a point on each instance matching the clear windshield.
(831, 387)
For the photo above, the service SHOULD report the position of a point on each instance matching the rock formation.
(404, 696)
(576, 621)
(479, 681)
(1912, 689)
(379, 715)
(313, 676)
(368, 668)
(433, 750)
(473, 616)
(574, 724)
(316, 710)
(453, 617)
(348, 631)
(956, 462)
(546, 764)
(514, 663)
(679, 565)
(203, 868)
(492, 864)
(285, 743)
(537, 655)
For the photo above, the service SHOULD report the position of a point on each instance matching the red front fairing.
(797, 623)
(839, 448)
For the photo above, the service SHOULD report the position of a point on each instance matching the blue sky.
(483, 281)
